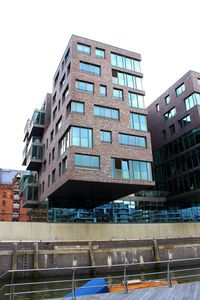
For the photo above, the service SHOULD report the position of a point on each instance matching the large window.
(136, 100)
(138, 121)
(180, 89)
(81, 137)
(132, 140)
(127, 80)
(87, 161)
(75, 136)
(125, 62)
(131, 169)
(118, 94)
(105, 136)
(192, 100)
(90, 68)
(106, 112)
(170, 113)
(81, 48)
(84, 86)
(76, 106)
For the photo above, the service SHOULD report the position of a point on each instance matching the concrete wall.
(11, 231)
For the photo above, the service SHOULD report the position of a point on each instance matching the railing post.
(73, 285)
(169, 275)
(125, 280)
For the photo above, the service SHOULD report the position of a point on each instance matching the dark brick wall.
(156, 121)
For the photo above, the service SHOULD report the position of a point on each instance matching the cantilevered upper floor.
(97, 146)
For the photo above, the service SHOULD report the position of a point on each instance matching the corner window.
(105, 136)
(100, 53)
(192, 100)
(84, 49)
(76, 106)
(157, 107)
(180, 89)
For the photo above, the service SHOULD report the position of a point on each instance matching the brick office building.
(89, 144)
(11, 206)
(174, 123)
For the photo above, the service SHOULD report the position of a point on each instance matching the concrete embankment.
(40, 245)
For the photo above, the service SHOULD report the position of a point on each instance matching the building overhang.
(82, 194)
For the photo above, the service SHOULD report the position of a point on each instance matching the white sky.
(35, 33)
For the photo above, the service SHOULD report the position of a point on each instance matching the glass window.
(157, 107)
(105, 112)
(103, 90)
(138, 121)
(64, 165)
(167, 99)
(170, 114)
(81, 48)
(125, 62)
(81, 137)
(132, 140)
(192, 100)
(58, 124)
(105, 136)
(118, 94)
(180, 89)
(131, 169)
(90, 68)
(127, 80)
(87, 161)
(86, 87)
(136, 100)
(100, 53)
(76, 106)
(185, 121)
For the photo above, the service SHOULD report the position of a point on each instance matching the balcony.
(16, 197)
(15, 215)
(34, 154)
(37, 123)
(29, 191)
(26, 130)
(16, 206)
(34, 141)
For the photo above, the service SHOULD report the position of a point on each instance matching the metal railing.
(167, 272)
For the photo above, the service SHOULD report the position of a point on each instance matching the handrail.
(105, 266)
(163, 275)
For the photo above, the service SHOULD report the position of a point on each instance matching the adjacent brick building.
(11, 204)
(89, 143)
(174, 123)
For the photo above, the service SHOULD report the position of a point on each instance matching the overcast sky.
(35, 33)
